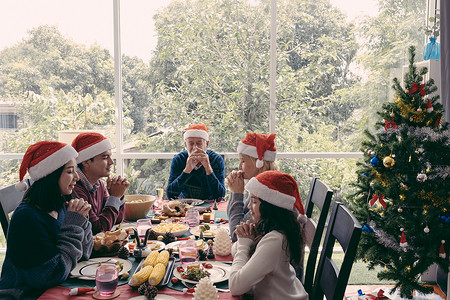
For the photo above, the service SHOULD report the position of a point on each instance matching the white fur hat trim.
(272, 196)
(94, 150)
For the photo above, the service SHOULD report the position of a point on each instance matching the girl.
(257, 154)
(48, 233)
(266, 246)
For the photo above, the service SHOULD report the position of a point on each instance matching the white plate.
(210, 233)
(174, 246)
(219, 272)
(192, 202)
(154, 245)
(86, 269)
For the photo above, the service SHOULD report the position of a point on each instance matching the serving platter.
(85, 270)
(192, 202)
(218, 273)
(167, 273)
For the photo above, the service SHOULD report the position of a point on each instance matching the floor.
(351, 292)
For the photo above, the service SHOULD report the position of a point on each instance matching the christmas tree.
(403, 188)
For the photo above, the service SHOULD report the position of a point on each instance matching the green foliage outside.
(404, 185)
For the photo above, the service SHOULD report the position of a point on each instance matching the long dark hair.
(283, 221)
(45, 192)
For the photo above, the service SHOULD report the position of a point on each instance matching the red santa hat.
(90, 144)
(429, 106)
(259, 146)
(403, 242)
(43, 158)
(197, 130)
(277, 188)
(442, 250)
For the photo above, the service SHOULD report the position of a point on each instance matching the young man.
(196, 172)
(94, 162)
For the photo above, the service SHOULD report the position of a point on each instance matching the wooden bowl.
(138, 206)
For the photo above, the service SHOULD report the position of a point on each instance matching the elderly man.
(196, 172)
(94, 162)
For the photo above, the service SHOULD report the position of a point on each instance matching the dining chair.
(10, 198)
(319, 197)
(331, 280)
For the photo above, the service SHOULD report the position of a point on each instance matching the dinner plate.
(192, 201)
(174, 246)
(167, 274)
(218, 273)
(85, 270)
(210, 233)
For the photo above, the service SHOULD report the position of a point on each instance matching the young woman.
(265, 247)
(49, 232)
(257, 154)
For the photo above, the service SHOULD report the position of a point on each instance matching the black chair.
(330, 280)
(320, 197)
(9, 200)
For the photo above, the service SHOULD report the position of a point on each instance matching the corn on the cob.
(150, 260)
(157, 274)
(141, 276)
(163, 257)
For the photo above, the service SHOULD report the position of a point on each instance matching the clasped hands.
(198, 157)
(246, 230)
(235, 181)
(79, 206)
(117, 186)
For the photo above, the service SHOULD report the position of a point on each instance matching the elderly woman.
(49, 232)
(266, 246)
(257, 154)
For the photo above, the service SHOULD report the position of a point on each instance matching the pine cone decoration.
(143, 288)
(147, 290)
(169, 238)
(202, 254)
(152, 235)
(123, 253)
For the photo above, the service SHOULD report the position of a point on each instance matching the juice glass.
(193, 217)
(187, 251)
(141, 226)
(106, 279)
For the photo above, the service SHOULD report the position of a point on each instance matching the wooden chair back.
(331, 281)
(320, 197)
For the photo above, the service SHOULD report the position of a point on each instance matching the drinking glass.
(141, 226)
(187, 251)
(106, 279)
(193, 217)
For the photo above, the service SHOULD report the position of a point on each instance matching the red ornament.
(429, 106)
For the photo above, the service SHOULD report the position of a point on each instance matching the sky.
(91, 21)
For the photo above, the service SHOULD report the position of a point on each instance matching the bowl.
(138, 206)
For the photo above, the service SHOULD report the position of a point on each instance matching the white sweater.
(267, 273)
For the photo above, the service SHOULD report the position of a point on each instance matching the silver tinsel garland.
(387, 240)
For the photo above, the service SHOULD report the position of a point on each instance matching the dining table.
(169, 291)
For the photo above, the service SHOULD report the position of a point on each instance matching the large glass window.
(202, 61)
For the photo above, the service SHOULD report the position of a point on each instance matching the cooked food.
(175, 208)
(170, 227)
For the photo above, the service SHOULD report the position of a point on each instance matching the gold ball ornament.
(388, 162)
(419, 109)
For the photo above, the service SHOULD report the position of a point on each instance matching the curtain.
(445, 57)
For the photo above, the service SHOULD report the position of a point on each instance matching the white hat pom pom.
(302, 219)
(21, 186)
(259, 163)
